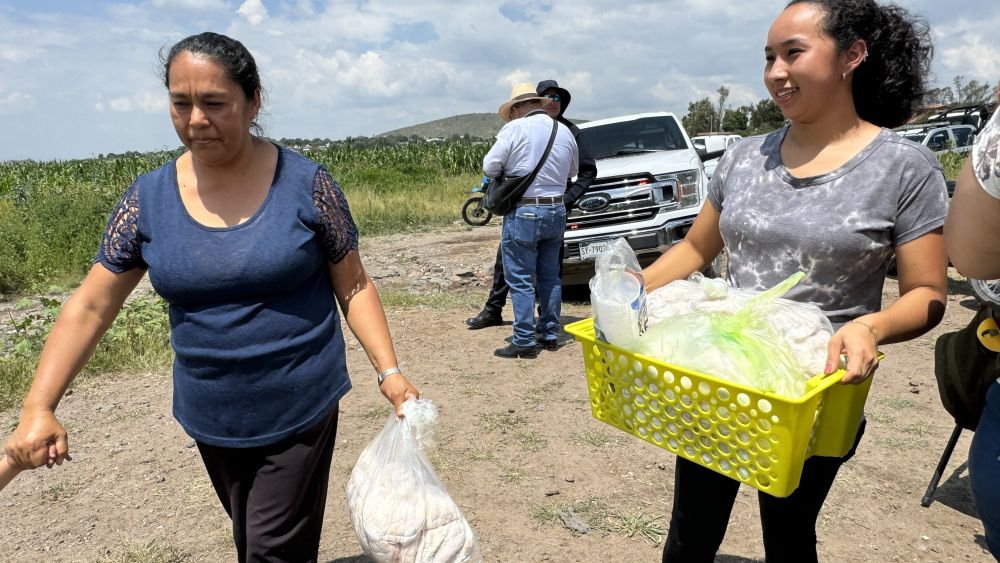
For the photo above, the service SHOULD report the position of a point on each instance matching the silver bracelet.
(868, 326)
(387, 373)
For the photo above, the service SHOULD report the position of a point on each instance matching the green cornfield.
(52, 213)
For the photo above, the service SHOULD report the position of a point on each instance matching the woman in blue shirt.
(253, 247)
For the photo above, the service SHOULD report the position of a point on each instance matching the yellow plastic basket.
(760, 439)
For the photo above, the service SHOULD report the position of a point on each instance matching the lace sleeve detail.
(120, 249)
(338, 232)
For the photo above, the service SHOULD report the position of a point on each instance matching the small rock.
(925, 538)
(915, 390)
(551, 493)
(191, 444)
(69, 392)
(574, 522)
(570, 479)
(510, 410)
(661, 466)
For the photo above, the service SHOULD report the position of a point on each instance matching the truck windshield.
(649, 134)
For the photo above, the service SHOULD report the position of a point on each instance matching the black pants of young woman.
(703, 501)
(275, 494)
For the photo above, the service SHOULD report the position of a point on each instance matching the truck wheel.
(473, 212)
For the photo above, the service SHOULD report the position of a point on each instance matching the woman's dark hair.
(234, 59)
(887, 87)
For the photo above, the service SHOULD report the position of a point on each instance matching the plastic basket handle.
(823, 382)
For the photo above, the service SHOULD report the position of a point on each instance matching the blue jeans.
(984, 469)
(530, 241)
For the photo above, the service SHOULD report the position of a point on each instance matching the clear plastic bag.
(400, 510)
(743, 346)
(804, 326)
(618, 295)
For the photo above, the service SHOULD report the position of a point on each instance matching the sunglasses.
(554, 97)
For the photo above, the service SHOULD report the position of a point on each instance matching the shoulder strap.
(545, 155)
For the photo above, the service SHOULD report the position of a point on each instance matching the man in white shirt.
(533, 233)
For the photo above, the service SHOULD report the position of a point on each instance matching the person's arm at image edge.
(972, 230)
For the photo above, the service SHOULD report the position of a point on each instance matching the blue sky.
(81, 78)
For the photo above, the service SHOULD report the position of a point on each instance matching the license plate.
(590, 250)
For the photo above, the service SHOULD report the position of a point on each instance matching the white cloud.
(15, 54)
(516, 76)
(148, 102)
(253, 11)
(15, 103)
(969, 47)
(335, 68)
(192, 5)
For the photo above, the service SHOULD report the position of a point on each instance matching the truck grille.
(631, 200)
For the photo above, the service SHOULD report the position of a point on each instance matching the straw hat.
(520, 93)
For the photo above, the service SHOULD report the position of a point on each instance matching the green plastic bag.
(743, 347)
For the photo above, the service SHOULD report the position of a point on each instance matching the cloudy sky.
(81, 78)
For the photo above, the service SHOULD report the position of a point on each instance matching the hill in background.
(475, 125)
(472, 125)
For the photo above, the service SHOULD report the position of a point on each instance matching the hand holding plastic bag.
(401, 511)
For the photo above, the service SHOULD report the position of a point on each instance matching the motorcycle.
(473, 211)
(986, 291)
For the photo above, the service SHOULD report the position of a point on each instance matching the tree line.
(706, 115)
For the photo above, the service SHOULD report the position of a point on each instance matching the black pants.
(703, 501)
(497, 298)
(275, 494)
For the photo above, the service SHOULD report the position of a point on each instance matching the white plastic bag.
(618, 296)
(400, 509)
(748, 338)
(805, 327)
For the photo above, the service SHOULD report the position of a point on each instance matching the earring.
(864, 57)
(843, 76)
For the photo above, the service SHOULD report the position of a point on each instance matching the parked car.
(940, 138)
(713, 142)
(649, 188)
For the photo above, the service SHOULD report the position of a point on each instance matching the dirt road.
(518, 449)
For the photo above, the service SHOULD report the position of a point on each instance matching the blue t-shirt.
(259, 353)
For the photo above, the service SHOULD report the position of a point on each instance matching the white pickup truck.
(650, 186)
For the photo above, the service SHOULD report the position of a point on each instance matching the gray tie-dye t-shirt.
(839, 228)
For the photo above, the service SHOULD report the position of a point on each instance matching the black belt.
(552, 200)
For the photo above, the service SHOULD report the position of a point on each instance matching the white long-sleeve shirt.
(519, 147)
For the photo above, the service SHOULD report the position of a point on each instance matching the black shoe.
(512, 351)
(483, 320)
(549, 345)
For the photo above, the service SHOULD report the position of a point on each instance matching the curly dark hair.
(887, 87)
(234, 58)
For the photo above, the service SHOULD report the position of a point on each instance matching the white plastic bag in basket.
(400, 509)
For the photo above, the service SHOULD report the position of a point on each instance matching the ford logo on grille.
(594, 202)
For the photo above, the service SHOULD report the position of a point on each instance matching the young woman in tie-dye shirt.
(834, 194)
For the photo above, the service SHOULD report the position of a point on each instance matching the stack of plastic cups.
(618, 302)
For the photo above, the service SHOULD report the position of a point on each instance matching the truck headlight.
(687, 186)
